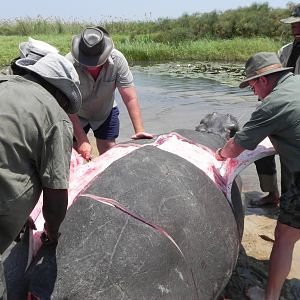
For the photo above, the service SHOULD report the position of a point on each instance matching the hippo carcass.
(151, 221)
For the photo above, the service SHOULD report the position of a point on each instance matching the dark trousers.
(266, 169)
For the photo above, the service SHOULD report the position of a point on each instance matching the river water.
(169, 101)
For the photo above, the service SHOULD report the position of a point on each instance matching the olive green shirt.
(98, 96)
(35, 140)
(278, 117)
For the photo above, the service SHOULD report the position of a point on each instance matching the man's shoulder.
(288, 45)
(69, 57)
(17, 82)
(6, 77)
(32, 94)
(284, 51)
(117, 55)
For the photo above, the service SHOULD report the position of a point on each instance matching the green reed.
(143, 49)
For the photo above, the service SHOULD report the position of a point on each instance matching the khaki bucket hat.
(92, 47)
(35, 49)
(295, 16)
(261, 64)
(59, 72)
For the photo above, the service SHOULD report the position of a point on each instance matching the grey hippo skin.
(107, 253)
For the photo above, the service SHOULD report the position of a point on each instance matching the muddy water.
(175, 100)
(178, 96)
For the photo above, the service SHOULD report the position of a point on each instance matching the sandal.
(271, 199)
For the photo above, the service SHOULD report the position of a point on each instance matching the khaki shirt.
(98, 97)
(35, 140)
(278, 117)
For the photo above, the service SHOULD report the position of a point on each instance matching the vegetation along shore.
(229, 36)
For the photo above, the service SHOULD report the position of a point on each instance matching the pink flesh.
(222, 173)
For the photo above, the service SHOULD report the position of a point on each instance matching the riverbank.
(212, 50)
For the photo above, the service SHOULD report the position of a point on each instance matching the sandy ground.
(252, 265)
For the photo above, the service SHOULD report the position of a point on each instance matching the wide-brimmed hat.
(92, 47)
(35, 49)
(59, 72)
(261, 64)
(295, 16)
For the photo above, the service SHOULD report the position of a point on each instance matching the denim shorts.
(110, 129)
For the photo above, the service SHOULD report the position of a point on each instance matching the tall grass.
(37, 26)
(233, 35)
(233, 50)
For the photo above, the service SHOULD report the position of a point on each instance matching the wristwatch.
(219, 153)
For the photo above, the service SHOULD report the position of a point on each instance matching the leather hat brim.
(290, 20)
(245, 82)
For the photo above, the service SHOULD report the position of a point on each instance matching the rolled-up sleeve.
(124, 75)
(260, 125)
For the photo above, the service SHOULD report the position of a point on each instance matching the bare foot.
(272, 198)
(255, 293)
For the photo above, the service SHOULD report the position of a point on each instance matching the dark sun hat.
(92, 47)
(261, 64)
(59, 72)
(295, 16)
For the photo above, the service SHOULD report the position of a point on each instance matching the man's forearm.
(79, 133)
(135, 115)
(231, 149)
(55, 203)
(130, 99)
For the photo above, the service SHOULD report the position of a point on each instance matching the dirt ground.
(252, 264)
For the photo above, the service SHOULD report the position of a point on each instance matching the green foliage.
(230, 35)
(251, 21)
(237, 49)
(29, 26)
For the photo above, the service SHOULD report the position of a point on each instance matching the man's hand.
(81, 145)
(29, 224)
(218, 155)
(142, 135)
(85, 149)
(48, 237)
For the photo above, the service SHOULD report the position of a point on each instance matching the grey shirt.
(98, 97)
(278, 117)
(35, 140)
(284, 54)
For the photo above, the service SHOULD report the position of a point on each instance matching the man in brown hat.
(102, 69)
(278, 118)
(289, 56)
(36, 138)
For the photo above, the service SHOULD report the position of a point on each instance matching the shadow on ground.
(252, 271)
